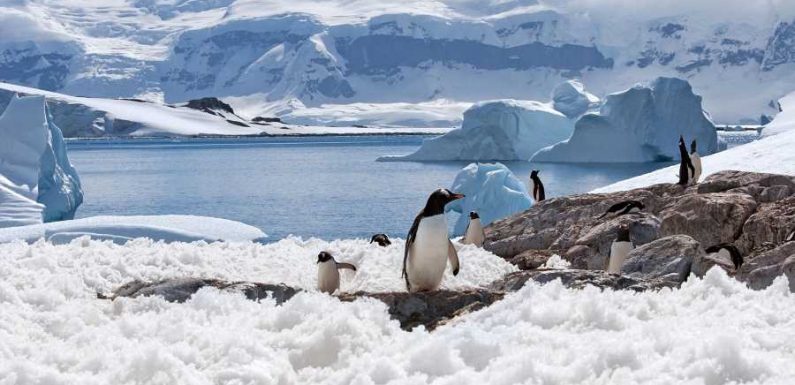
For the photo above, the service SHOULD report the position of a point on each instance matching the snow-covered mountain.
(289, 56)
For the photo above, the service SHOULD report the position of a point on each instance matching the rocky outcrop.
(577, 279)
(754, 211)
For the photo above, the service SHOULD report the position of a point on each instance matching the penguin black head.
(681, 140)
(623, 233)
(534, 174)
(324, 256)
(438, 200)
(473, 215)
(693, 146)
(381, 239)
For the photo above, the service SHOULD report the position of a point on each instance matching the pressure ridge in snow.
(491, 189)
(37, 182)
(55, 330)
(642, 124)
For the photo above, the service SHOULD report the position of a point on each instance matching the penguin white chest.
(328, 277)
(428, 254)
(474, 233)
(696, 160)
(618, 253)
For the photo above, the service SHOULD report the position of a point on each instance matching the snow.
(772, 154)
(572, 100)
(491, 189)
(55, 330)
(497, 130)
(120, 229)
(785, 120)
(642, 124)
(34, 168)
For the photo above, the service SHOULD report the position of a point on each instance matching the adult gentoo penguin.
(474, 234)
(538, 187)
(685, 165)
(328, 275)
(624, 207)
(621, 246)
(695, 159)
(381, 239)
(428, 246)
(727, 251)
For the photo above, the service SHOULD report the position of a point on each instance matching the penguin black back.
(737, 258)
(473, 215)
(685, 164)
(693, 147)
(381, 239)
(538, 187)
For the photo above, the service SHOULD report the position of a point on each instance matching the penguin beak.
(456, 196)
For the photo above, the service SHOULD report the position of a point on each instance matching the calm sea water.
(329, 187)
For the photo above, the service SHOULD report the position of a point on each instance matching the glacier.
(641, 124)
(35, 166)
(496, 130)
(571, 98)
(491, 189)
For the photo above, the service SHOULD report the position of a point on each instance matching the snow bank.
(497, 130)
(572, 100)
(641, 124)
(725, 333)
(120, 229)
(785, 120)
(492, 190)
(771, 154)
(35, 166)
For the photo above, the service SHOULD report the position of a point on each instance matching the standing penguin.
(538, 187)
(474, 234)
(328, 275)
(695, 159)
(621, 246)
(685, 165)
(428, 246)
(729, 252)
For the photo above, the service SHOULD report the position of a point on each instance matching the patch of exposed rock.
(754, 211)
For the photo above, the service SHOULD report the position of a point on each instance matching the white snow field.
(83, 116)
(785, 120)
(497, 130)
(773, 153)
(121, 229)
(54, 330)
(491, 189)
(37, 182)
(641, 124)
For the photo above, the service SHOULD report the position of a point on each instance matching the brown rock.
(576, 279)
(709, 218)
(668, 258)
(760, 271)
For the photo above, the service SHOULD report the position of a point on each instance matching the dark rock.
(769, 224)
(727, 180)
(210, 105)
(577, 279)
(669, 258)
(261, 119)
(760, 271)
(181, 289)
(709, 218)
(430, 309)
(532, 259)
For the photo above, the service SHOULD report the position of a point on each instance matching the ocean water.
(327, 187)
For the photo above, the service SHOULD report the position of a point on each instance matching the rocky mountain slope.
(286, 56)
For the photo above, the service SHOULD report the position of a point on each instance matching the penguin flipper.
(346, 265)
(452, 256)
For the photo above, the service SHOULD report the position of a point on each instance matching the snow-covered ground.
(120, 229)
(54, 330)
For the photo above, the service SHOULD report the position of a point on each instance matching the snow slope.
(785, 120)
(491, 189)
(121, 229)
(739, 55)
(55, 330)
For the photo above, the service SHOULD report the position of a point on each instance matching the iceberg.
(38, 182)
(492, 190)
(497, 130)
(572, 100)
(641, 124)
